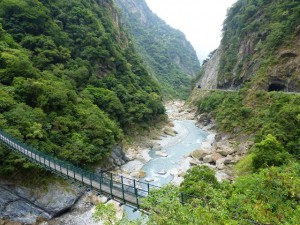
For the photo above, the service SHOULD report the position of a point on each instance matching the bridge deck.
(125, 190)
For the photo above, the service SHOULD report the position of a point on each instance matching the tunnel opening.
(276, 87)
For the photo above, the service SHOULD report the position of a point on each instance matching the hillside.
(259, 54)
(254, 105)
(168, 54)
(261, 46)
(71, 82)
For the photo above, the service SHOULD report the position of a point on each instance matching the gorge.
(86, 82)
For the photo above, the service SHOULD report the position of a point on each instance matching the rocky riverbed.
(218, 151)
(63, 203)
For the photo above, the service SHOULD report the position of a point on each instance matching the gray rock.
(118, 157)
(224, 148)
(204, 119)
(156, 147)
(24, 211)
(117, 161)
(200, 153)
(149, 179)
(220, 164)
(216, 156)
(194, 162)
(26, 205)
(162, 172)
(228, 160)
(208, 159)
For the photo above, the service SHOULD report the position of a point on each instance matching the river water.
(189, 138)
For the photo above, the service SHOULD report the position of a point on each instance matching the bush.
(269, 152)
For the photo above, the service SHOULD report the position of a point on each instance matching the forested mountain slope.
(166, 51)
(261, 45)
(259, 52)
(71, 83)
(259, 58)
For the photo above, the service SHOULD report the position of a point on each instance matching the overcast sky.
(200, 20)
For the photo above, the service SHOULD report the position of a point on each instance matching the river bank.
(161, 158)
(217, 151)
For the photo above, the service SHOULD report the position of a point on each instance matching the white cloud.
(200, 20)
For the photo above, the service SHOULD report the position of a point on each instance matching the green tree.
(269, 152)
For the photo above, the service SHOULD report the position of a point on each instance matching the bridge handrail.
(117, 181)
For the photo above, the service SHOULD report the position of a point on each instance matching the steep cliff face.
(209, 72)
(168, 54)
(260, 46)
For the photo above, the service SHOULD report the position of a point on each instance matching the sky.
(200, 20)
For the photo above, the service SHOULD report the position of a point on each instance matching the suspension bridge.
(122, 189)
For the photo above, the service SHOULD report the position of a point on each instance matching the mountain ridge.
(168, 54)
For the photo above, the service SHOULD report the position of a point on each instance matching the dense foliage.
(260, 113)
(267, 189)
(253, 32)
(270, 196)
(170, 57)
(71, 82)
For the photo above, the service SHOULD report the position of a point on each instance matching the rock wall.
(29, 205)
(210, 71)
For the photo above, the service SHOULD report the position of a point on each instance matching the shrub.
(269, 152)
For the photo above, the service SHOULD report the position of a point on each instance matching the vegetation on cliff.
(270, 196)
(260, 38)
(71, 81)
(259, 47)
(168, 54)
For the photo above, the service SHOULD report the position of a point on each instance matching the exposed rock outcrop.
(118, 157)
(27, 205)
(210, 72)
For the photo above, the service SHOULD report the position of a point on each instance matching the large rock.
(132, 166)
(211, 138)
(161, 153)
(206, 146)
(204, 119)
(170, 131)
(228, 160)
(200, 153)
(118, 157)
(138, 174)
(207, 159)
(194, 162)
(27, 205)
(162, 172)
(224, 148)
(220, 164)
(149, 179)
(156, 147)
(197, 154)
(216, 156)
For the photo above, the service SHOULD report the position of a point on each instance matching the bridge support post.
(91, 184)
(182, 198)
(111, 187)
(123, 194)
(60, 168)
(74, 173)
(100, 184)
